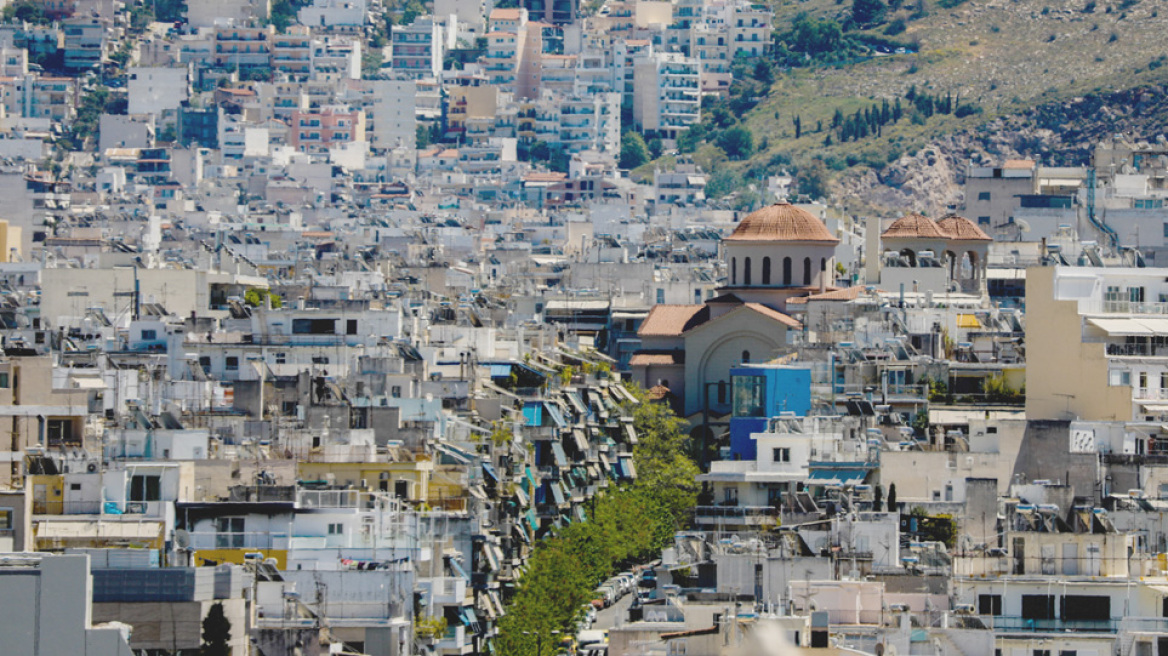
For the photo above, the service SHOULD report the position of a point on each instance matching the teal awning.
(558, 493)
(559, 455)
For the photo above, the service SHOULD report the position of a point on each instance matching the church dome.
(782, 222)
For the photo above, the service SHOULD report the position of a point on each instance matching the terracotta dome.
(782, 222)
(915, 226)
(960, 228)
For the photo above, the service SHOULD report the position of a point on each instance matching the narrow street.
(607, 618)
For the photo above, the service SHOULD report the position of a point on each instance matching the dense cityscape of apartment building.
(319, 331)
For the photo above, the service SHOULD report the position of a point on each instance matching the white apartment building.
(392, 113)
(667, 95)
(156, 90)
(418, 48)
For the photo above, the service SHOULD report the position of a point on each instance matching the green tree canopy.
(868, 12)
(738, 142)
(634, 151)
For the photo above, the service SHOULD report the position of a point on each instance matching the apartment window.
(229, 533)
(730, 496)
(336, 529)
(983, 220)
(1038, 607)
(395, 391)
(281, 357)
(231, 363)
(320, 359)
(205, 363)
(145, 488)
(4, 380)
(782, 454)
(351, 327)
(983, 195)
(1040, 652)
(1086, 608)
(989, 604)
(1143, 380)
(6, 519)
(314, 326)
(1119, 377)
(148, 335)
(660, 296)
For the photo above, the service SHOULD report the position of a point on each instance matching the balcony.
(1013, 624)
(204, 540)
(736, 515)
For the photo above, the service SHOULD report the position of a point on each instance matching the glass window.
(749, 394)
(148, 335)
(6, 519)
(781, 454)
(146, 488)
(232, 363)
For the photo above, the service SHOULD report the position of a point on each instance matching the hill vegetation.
(854, 86)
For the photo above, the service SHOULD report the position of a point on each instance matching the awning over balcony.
(1130, 327)
(837, 477)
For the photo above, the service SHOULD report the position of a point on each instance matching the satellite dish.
(1022, 225)
(182, 538)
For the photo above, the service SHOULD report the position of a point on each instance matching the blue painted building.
(762, 391)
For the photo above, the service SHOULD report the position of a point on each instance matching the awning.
(531, 481)
(630, 432)
(497, 603)
(606, 466)
(630, 469)
(477, 492)
(558, 493)
(580, 514)
(454, 565)
(500, 370)
(577, 403)
(837, 476)
(968, 321)
(581, 440)
(561, 458)
(489, 470)
(553, 411)
(1154, 407)
(531, 520)
(1121, 327)
(533, 413)
(521, 496)
(467, 616)
(490, 556)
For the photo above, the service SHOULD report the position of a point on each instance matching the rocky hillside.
(1058, 133)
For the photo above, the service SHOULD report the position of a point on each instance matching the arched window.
(806, 271)
(733, 271)
(823, 264)
(766, 270)
(786, 271)
(746, 271)
(746, 356)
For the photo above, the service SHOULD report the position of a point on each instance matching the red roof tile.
(672, 320)
(914, 226)
(962, 229)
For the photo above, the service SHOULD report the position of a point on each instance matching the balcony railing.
(1027, 625)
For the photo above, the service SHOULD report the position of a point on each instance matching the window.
(786, 271)
(983, 220)
(6, 519)
(336, 529)
(4, 380)
(75, 487)
(781, 454)
(1040, 652)
(145, 488)
(205, 363)
(395, 391)
(60, 431)
(746, 356)
(229, 533)
(660, 296)
(314, 326)
(231, 363)
(766, 270)
(730, 496)
(983, 195)
(989, 604)
(1086, 608)
(281, 357)
(749, 395)
(1119, 377)
(149, 335)
(351, 327)
(806, 271)
(746, 271)
(320, 359)
(1038, 607)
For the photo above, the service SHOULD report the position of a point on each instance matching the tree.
(216, 632)
(422, 136)
(812, 180)
(798, 127)
(868, 12)
(892, 498)
(722, 182)
(878, 498)
(737, 142)
(634, 152)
